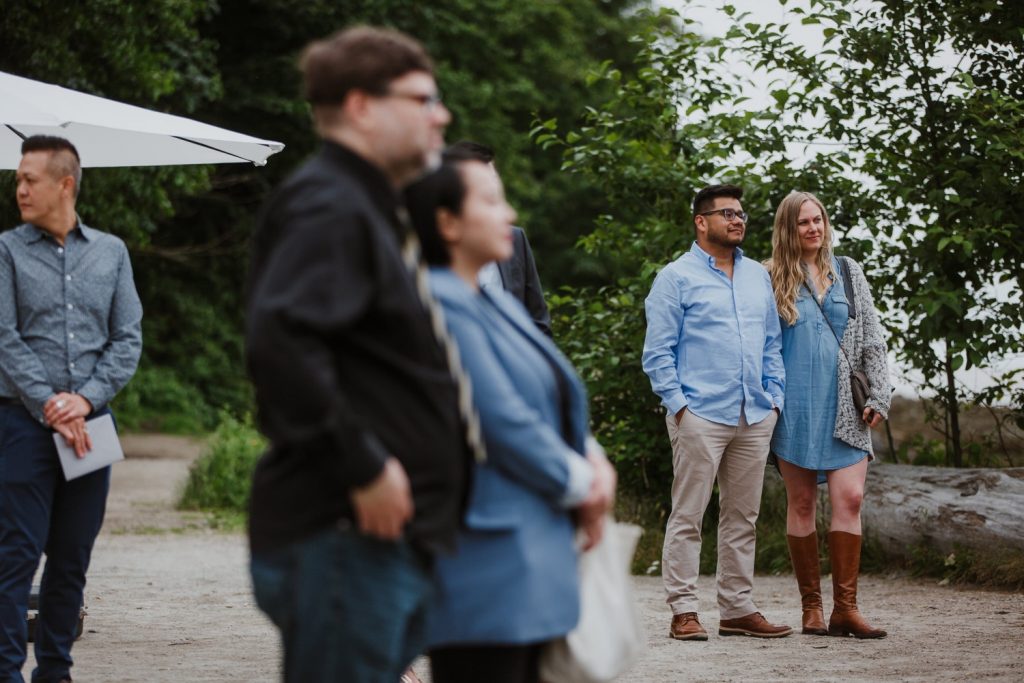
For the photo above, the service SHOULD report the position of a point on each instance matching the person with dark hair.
(467, 150)
(70, 339)
(822, 437)
(512, 584)
(63, 160)
(517, 274)
(362, 483)
(713, 356)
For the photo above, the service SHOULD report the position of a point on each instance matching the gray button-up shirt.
(70, 318)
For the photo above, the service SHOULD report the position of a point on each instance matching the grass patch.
(650, 515)
(1001, 568)
(220, 480)
(227, 520)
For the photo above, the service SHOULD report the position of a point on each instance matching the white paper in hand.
(106, 449)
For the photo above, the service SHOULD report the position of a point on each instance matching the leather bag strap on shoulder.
(829, 323)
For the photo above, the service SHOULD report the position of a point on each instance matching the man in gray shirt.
(70, 339)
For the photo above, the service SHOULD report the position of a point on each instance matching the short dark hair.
(440, 189)
(705, 199)
(64, 160)
(467, 150)
(360, 58)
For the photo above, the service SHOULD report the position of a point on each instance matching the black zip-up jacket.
(346, 368)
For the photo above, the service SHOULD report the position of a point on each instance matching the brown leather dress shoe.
(752, 625)
(685, 626)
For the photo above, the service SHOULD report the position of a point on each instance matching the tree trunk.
(953, 413)
(906, 506)
(891, 442)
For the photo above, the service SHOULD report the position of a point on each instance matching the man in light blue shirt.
(713, 355)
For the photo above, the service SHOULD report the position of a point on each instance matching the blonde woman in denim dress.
(821, 438)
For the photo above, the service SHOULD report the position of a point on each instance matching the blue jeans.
(40, 511)
(349, 607)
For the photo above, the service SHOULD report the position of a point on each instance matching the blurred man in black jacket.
(364, 476)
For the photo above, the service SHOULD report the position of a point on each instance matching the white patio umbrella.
(110, 133)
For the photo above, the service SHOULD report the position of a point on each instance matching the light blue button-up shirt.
(70, 318)
(713, 344)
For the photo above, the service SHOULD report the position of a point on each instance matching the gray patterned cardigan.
(864, 343)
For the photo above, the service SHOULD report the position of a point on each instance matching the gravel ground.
(169, 600)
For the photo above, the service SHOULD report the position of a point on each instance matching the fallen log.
(907, 506)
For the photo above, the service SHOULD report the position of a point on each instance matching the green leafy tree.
(152, 55)
(499, 64)
(927, 99)
(148, 54)
(680, 123)
(233, 63)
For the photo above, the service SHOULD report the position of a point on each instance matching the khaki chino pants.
(701, 451)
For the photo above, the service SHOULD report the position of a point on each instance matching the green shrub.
(156, 400)
(996, 567)
(772, 553)
(772, 556)
(221, 478)
(649, 513)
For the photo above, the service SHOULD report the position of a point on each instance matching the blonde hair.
(787, 270)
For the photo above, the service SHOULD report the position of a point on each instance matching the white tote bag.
(608, 637)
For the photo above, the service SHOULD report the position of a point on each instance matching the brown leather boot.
(844, 551)
(803, 551)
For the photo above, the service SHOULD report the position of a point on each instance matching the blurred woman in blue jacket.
(512, 584)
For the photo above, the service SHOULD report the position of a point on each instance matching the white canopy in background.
(109, 133)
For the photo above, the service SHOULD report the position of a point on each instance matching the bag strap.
(844, 272)
(829, 323)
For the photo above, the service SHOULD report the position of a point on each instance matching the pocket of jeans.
(269, 587)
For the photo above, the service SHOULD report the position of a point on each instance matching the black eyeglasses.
(428, 102)
(728, 214)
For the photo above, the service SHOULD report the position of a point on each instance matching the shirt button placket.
(739, 336)
(62, 253)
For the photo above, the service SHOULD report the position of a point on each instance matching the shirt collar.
(34, 233)
(383, 195)
(91, 233)
(695, 249)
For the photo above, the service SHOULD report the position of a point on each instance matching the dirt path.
(169, 600)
